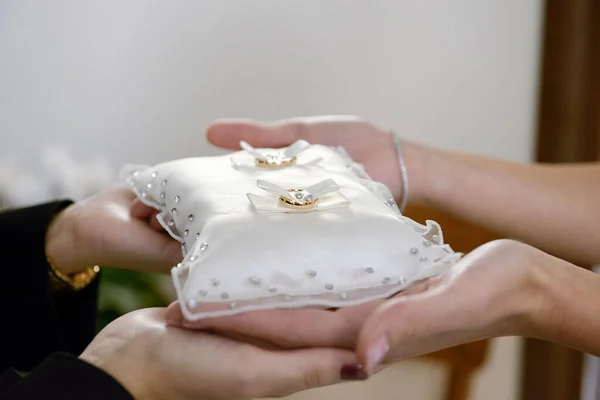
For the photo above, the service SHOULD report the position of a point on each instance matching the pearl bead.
(401, 281)
(153, 175)
(179, 265)
(343, 295)
(136, 174)
(224, 296)
(311, 273)
(414, 250)
(184, 247)
(202, 293)
(309, 197)
(197, 235)
(215, 282)
(192, 303)
(329, 286)
(193, 258)
(164, 182)
(174, 211)
(176, 199)
(149, 185)
(386, 280)
(426, 243)
(298, 195)
(232, 306)
(171, 222)
(255, 280)
(162, 195)
(203, 246)
(370, 270)
(186, 233)
(191, 217)
(423, 259)
(272, 289)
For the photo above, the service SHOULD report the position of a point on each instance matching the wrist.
(532, 308)
(570, 313)
(60, 243)
(416, 160)
(516, 303)
(125, 366)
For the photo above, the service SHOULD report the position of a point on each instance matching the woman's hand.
(153, 361)
(367, 144)
(110, 229)
(498, 289)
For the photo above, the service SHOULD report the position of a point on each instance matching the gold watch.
(60, 282)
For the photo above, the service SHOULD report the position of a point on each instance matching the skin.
(154, 361)
(109, 230)
(502, 288)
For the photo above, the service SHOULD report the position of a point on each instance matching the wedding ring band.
(300, 204)
(275, 162)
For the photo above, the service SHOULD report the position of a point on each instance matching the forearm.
(554, 208)
(571, 308)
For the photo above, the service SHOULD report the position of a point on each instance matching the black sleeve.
(36, 321)
(62, 376)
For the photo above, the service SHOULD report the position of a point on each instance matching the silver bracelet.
(403, 171)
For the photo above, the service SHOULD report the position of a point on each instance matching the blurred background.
(86, 86)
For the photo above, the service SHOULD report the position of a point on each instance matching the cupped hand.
(110, 229)
(493, 291)
(154, 361)
(366, 144)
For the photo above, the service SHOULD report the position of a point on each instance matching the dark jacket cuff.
(39, 321)
(65, 377)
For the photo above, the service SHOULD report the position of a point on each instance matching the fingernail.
(376, 354)
(353, 373)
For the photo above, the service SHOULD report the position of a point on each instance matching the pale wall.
(137, 81)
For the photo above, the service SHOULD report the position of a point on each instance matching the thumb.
(312, 368)
(404, 327)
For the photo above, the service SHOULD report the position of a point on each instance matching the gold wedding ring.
(299, 200)
(276, 161)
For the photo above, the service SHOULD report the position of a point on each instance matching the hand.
(110, 229)
(496, 290)
(153, 361)
(367, 144)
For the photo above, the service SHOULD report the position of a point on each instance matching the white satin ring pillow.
(285, 228)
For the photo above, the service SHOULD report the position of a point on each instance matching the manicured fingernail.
(352, 373)
(376, 354)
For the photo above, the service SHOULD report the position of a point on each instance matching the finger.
(329, 130)
(140, 210)
(247, 339)
(154, 222)
(288, 328)
(283, 328)
(173, 315)
(138, 247)
(228, 133)
(418, 320)
(299, 370)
